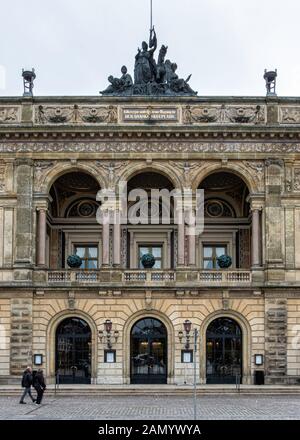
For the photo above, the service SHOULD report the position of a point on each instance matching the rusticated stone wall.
(276, 340)
(5, 316)
(21, 335)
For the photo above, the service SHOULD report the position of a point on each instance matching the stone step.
(96, 390)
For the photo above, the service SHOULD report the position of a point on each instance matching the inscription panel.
(142, 114)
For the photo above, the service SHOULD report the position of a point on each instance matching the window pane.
(208, 264)
(92, 264)
(93, 252)
(83, 264)
(156, 252)
(143, 251)
(220, 251)
(157, 264)
(80, 251)
(207, 251)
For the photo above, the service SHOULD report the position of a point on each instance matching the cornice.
(268, 134)
(145, 99)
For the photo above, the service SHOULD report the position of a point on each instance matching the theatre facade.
(112, 320)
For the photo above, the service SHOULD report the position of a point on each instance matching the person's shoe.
(34, 400)
(23, 403)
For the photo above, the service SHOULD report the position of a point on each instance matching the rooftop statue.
(145, 65)
(150, 77)
(119, 85)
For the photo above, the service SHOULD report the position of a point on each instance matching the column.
(191, 233)
(105, 239)
(41, 232)
(117, 240)
(256, 238)
(192, 250)
(180, 220)
(181, 243)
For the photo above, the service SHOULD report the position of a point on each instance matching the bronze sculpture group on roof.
(151, 77)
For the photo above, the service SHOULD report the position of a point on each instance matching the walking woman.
(39, 385)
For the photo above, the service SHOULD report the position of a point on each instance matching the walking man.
(39, 385)
(26, 384)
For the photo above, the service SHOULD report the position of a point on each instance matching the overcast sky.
(75, 44)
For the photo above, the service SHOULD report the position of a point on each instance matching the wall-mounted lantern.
(187, 354)
(187, 325)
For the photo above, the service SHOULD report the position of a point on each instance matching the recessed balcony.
(111, 254)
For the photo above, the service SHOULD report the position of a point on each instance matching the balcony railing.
(68, 276)
(225, 277)
(156, 277)
(149, 275)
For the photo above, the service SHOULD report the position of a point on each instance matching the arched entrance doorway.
(223, 351)
(73, 351)
(148, 352)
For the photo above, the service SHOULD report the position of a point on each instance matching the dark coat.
(26, 379)
(39, 381)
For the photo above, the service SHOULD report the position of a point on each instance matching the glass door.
(73, 351)
(223, 352)
(149, 352)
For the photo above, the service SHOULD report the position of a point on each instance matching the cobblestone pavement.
(153, 408)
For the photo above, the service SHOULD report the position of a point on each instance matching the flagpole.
(151, 14)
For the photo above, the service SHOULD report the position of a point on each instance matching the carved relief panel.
(289, 114)
(223, 114)
(10, 115)
(75, 114)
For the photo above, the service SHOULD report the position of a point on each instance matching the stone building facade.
(56, 153)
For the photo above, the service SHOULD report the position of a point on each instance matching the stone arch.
(63, 168)
(126, 341)
(51, 338)
(246, 342)
(234, 168)
(72, 200)
(132, 170)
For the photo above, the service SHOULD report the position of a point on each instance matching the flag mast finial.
(151, 15)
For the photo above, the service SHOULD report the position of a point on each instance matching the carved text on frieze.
(142, 114)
